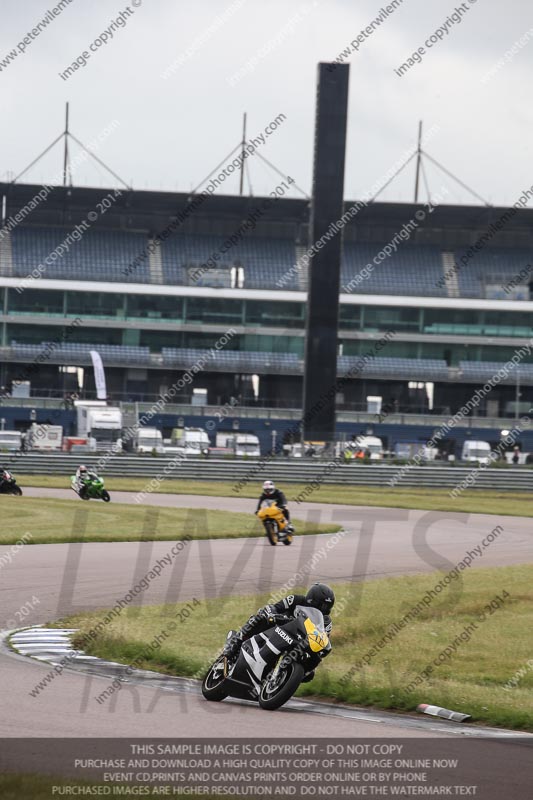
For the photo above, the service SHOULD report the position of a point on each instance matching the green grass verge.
(473, 501)
(52, 521)
(472, 680)
(40, 787)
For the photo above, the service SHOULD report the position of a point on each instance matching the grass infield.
(485, 673)
(41, 787)
(50, 521)
(473, 501)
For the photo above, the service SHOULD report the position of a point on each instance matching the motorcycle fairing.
(258, 655)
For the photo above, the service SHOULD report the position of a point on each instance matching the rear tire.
(288, 539)
(272, 532)
(213, 683)
(106, 497)
(272, 697)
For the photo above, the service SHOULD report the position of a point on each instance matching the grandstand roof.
(152, 211)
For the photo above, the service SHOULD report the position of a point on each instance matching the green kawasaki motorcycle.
(92, 488)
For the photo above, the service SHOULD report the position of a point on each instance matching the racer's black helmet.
(321, 596)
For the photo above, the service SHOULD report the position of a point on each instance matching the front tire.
(16, 490)
(83, 493)
(213, 683)
(106, 497)
(274, 693)
(272, 532)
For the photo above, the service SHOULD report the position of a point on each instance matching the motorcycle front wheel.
(213, 683)
(272, 531)
(277, 688)
(17, 491)
(106, 497)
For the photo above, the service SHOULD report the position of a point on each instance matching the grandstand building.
(153, 280)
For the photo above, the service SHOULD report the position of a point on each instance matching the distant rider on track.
(276, 495)
(83, 475)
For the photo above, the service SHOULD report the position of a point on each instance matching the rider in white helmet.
(83, 474)
(271, 493)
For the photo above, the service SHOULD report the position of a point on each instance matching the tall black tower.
(320, 368)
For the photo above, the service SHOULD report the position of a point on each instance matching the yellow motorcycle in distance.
(275, 524)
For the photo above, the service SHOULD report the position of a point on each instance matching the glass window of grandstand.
(45, 333)
(94, 336)
(392, 349)
(35, 301)
(501, 355)
(349, 317)
(275, 313)
(378, 318)
(273, 344)
(213, 311)
(453, 321)
(141, 306)
(32, 334)
(95, 304)
(477, 323)
(507, 323)
(156, 340)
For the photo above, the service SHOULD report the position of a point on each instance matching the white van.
(474, 450)
(44, 437)
(149, 440)
(10, 440)
(189, 442)
(371, 445)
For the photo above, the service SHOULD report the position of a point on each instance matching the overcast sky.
(172, 132)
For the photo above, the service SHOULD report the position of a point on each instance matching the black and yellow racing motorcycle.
(270, 666)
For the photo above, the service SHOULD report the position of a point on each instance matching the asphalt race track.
(69, 578)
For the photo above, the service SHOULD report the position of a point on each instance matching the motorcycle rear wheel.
(275, 692)
(213, 683)
(272, 531)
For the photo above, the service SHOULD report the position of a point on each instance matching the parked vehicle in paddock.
(189, 442)
(269, 667)
(476, 451)
(100, 424)
(8, 484)
(361, 447)
(240, 445)
(149, 440)
(275, 524)
(10, 440)
(44, 437)
(91, 488)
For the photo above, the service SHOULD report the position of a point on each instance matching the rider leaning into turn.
(83, 474)
(271, 493)
(319, 596)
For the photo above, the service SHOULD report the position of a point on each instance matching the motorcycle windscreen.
(314, 625)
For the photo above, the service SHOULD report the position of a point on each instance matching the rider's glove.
(262, 616)
(233, 645)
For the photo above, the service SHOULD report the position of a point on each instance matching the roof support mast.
(241, 185)
(66, 166)
(418, 159)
